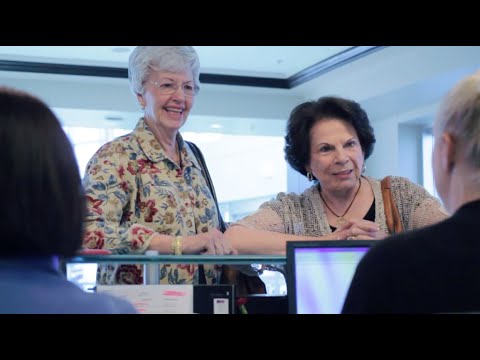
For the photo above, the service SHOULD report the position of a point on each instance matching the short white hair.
(459, 114)
(145, 59)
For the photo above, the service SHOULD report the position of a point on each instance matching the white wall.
(295, 181)
(400, 88)
(392, 68)
(384, 159)
(410, 152)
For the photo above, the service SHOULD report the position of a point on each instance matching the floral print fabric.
(133, 191)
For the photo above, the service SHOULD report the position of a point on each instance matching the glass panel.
(180, 259)
(275, 282)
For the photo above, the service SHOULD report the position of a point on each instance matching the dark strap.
(199, 156)
(202, 279)
(244, 284)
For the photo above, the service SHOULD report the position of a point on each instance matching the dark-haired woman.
(328, 141)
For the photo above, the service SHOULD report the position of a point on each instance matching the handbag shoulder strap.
(201, 160)
(394, 223)
(244, 284)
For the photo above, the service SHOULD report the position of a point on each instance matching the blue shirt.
(35, 286)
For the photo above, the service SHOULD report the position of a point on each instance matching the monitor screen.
(319, 274)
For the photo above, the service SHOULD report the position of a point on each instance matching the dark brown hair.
(304, 117)
(43, 204)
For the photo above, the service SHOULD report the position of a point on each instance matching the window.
(86, 141)
(246, 170)
(427, 149)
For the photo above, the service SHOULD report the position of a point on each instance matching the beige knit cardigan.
(305, 214)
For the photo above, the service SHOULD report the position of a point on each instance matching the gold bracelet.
(172, 246)
(176, 247)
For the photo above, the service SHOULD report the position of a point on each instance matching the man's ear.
(448, 152)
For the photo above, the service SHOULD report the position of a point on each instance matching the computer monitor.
(319, 274)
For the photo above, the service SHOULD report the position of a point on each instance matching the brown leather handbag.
(394, 223)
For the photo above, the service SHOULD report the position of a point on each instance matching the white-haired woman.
(145, 190)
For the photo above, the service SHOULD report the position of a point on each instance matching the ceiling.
(251, 90)
(248, 83)
(254, 61)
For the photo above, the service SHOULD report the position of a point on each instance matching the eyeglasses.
(167, 88)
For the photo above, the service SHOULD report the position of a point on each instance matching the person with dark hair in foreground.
(41, 221)
(328, 141)
(435, 269)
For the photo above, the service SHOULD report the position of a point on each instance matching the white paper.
(220, 306)
(154, 299)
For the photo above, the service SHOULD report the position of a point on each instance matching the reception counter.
(256, 303)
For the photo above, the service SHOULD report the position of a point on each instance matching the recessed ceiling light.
(216, 126)
(120, 50)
